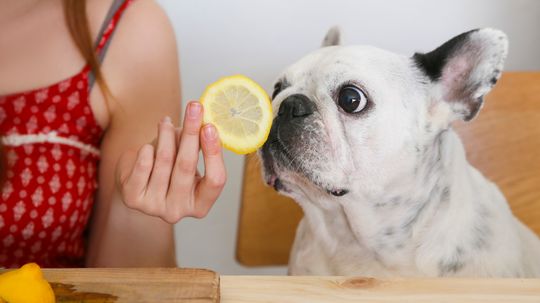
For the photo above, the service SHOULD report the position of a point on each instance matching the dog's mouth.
(275, 182)
(278, 185)
(271, 176)
(276, 159)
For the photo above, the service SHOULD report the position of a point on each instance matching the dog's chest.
(332, 244)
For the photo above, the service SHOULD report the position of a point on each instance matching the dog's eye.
(277, 89)
(352, 99)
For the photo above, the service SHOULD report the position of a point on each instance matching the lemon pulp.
(240, 110)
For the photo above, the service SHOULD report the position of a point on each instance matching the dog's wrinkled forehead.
(330, 67)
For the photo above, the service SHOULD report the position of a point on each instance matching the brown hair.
(77, 23)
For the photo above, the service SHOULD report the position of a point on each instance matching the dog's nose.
(296, 106)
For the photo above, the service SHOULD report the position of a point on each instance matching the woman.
(84, 135)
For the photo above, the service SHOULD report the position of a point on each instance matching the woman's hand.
(161, 179)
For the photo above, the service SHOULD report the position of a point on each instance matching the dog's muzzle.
(296, 143)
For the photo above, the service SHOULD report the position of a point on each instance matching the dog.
(362, 139)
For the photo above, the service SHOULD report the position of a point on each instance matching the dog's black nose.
(296, 106)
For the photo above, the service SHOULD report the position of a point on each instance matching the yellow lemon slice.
(240, 110)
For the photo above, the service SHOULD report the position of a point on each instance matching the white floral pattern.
(46, 200)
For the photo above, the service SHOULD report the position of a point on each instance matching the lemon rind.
(236, 145)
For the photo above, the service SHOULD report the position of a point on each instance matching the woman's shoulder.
(141, 21)
(142, 50)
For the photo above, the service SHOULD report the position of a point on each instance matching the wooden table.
(340, 289)
(197, 285)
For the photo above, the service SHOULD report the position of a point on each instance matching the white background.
(259, 38)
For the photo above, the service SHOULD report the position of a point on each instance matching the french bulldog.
(362, 139)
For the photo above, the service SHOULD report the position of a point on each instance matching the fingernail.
(166, 119)
(194, 109)
(210, 132)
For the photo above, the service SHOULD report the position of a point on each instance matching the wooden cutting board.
(133, 285)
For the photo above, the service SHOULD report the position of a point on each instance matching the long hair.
(77, 23)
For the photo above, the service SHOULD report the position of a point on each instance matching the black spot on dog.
(389, 231)
(481, 230)
(428, 128)
(474, 108)
(495, 76)
(483, 212)
(417, 210)
(380, 204)
(430, 158)
(415, 213)
(395, 201)
(392, 202)
(445, 194)
(446, 268)
(480, 243)
(453, 264)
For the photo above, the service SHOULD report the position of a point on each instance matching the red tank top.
(51, 143)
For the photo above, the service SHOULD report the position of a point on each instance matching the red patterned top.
(51, 143)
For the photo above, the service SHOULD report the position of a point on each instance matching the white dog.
(362, 140)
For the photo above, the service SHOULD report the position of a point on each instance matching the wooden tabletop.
(199, 285)
(255, 289)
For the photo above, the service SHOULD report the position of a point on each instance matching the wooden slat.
(135, 285)
(503, 142)
(267, 220)
(244, 289)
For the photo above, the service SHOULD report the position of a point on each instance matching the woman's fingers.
(163, 179)
(164, 160)
(177, 133)
(134, 172)
(211, 185)
(185, 166)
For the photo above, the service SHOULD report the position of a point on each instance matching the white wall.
(259, 38)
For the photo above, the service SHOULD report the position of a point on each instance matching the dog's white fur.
(415, 206)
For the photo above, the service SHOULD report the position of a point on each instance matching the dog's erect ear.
(333, 37)
(465, 68)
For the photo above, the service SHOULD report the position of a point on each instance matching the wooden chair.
(503, 142)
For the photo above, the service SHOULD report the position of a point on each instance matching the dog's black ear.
(333, 37)
(465, 68)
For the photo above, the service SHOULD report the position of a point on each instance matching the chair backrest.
(503, 142)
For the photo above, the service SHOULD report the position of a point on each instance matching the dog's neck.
(390, 223)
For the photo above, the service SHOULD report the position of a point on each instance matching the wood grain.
(267, 222)
(244, 289)
(135, 285)
(503, 142)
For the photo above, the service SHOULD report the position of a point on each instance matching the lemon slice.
(240, 110)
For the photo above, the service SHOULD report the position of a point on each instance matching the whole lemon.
(25, 285)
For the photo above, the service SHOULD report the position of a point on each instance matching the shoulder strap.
(106, 32)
